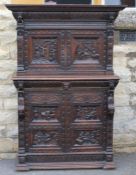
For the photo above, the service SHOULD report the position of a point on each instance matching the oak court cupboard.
(65, 84)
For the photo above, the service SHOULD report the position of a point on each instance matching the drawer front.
(65, 120)
(65, 51)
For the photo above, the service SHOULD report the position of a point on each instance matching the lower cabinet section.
(65, 124)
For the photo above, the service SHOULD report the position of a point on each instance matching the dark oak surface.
(65, 84)
(63, 8)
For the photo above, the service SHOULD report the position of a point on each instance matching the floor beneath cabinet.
(126, 165)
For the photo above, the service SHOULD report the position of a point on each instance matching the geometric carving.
(86, 112)
(44, 51)
(86, 51)
(66, 114)
(66, 139)
(44, 97)
(87, 138)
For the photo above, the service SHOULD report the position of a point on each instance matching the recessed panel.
(44, 51)
(88, 49)
(85, 51)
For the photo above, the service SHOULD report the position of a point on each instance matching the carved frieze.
(44, 97)
(87, 97)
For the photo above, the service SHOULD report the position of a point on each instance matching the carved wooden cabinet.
(65, 84)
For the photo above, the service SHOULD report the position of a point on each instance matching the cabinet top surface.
(63, 8)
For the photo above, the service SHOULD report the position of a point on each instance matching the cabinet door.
(86, 50)
(42, 105)
(90, 105)
(42, 49)
(65, 51)
(61, 122)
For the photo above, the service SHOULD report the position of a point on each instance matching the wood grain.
(65, 84)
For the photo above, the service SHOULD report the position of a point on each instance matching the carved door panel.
(44, 49)
(65, 51)
(86, 49)
(62, 120)
(42, 105)
(49, 113)
(91, 112)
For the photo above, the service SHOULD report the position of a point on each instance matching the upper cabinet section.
(65, 39)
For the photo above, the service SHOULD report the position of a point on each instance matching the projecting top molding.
(68, 7)
(45, 11)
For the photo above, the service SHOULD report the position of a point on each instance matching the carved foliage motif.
(47, 37)
(44, 113)
(63, 48)
(44, 51)
(86, 112)
(86, 51)
(88, 137)
(44, 138)
(67, 109)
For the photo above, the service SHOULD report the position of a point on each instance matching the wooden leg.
(22, 167)
(109, 166)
